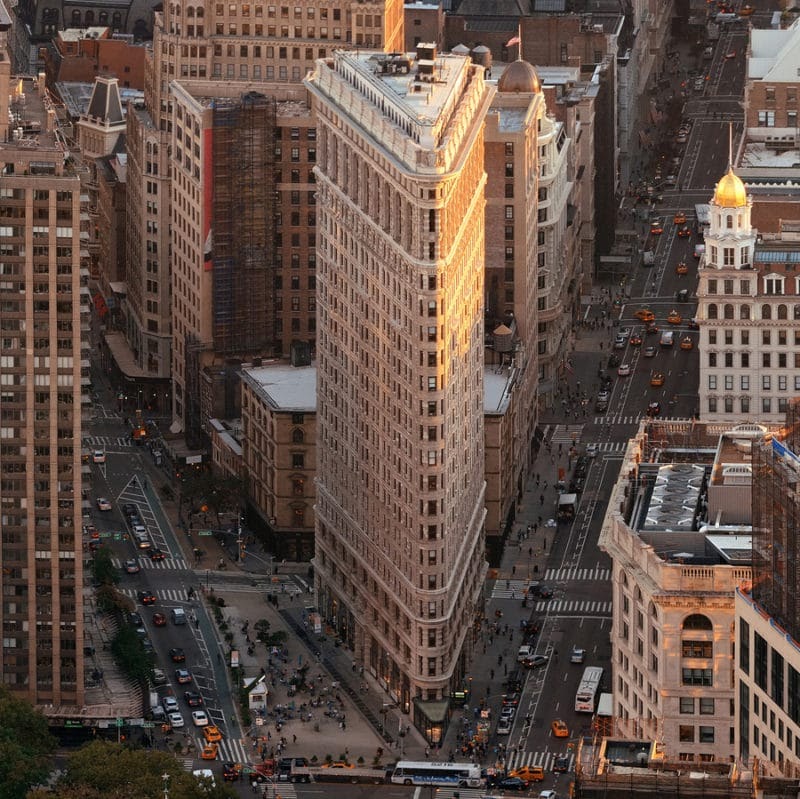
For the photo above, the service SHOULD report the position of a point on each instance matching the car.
(687, 343)
(582, 465)
(159, 677)
(654, 409)
(674, 318)
(625, 332)
(337, 764)
(559, 729)
(657, 379)
(561, 764)
(620, 342)
(730, 54)
(746, 11)
(624, 370)
(591, 450)
(645, 315)
(613, 361)
(650, 351)
(524, 651)
(511, 698)
(601, 406)
(132, 566)
(212, 734)
(231, 772)
(508, 712)
(650, 329)
(576, 485)
(193, 699)
(129, 509)
(670, 181)
(635, 340)
(699, 84)
(528, 773)
(504, 727)
(682, 268)
(146, 597)
(170, 704)
(209, 752)
(159, 620)
(606, 381)
(548, 794)
(147, 645)
(577, 655)
(199, 718)
(103, 504)
(656, 227)
(183, 676)
(99, 456)
(684, 232)
(536, 661)
(512, 784)
(177, 655)
(679, 218)
(156, 554)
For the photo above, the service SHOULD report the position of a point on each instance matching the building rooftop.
(34, 121)
(498, 384)
(76, 34)
(284, 387)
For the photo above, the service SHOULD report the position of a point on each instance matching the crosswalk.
(169, 564)
(632, 419)
(566, 433)
(163, 594)
(106, 442)
(545, 759)
(611, 446)
(573, 607)
(576, 574)
(229, 750)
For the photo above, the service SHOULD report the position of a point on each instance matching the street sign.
(106, 535)
(205, 532)
(118, 536)
(120, 722)
(148, 724)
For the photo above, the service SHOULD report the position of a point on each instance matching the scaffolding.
(776, 524)
(243, 220)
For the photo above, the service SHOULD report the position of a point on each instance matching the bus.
(602, 719)
(586, 698)
(459, 775)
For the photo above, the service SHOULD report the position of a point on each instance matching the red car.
(635, 340)
(159, 620)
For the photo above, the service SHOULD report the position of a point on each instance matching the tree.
(26, 746)
(262, 629)
(110, 600)
(112, 771)
(103, 570)
(130, 656)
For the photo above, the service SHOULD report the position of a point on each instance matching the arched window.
(796, 311)
(766, 311)
(653, 611)
(697, 621)
(190, 11)
(102, 18)
(298, 437)
(76, 18)
(89, 19)
(116, 20)
(782, 312)
(712, 311)
(728, 311)
(744, 312)
(729, 221)
(200, 12)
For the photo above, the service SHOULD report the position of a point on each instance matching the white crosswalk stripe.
(622, 419)
(611, 446)
(449, 793)
(107, 441)
(146, 563)
(187, 763)
(163, 594)
(573, 607)
(574, 574)
(565, 433)
(544, 759)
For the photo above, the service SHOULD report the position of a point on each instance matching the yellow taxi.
(687, 343)
(209, 752)
(528, 773)
(746, 11)
(645, 315)
(679, 218)
(682, 268)
(212, 734)
(559, 728)
(338, 764)
(674, 318)
(657, 379)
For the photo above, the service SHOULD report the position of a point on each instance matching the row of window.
(728, 311)
(744, 382)
(781, 362)
(727, 405)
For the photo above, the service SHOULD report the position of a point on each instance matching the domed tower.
(730, 237)
(519, 77)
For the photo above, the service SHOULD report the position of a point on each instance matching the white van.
(141, 538)
(667, 338)
(178, 616)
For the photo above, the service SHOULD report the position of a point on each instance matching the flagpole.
(519, 36)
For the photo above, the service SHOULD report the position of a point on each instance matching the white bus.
(586, 697)
(460, 775)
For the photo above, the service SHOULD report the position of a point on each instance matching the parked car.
(103, 504)
(132, 566)
(98, 456)
(193, 699)
(146, 597)
(577, 655)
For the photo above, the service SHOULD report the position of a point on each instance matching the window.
(712, 382)
(298, 460)
(697, 677)
(760, 661)
(765, 362)
(706, 706)
(745, 360)
(766, 119)
(687, 705)
(766, 405)
(686, 733)
(712, 359)
(712, 404)
(773, 285)
(776, 681)
(766, 382)
(744, 382)
(706, 735)
(728, 382)
(712, 336)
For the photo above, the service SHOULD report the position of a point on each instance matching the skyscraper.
(400, 503)
(43, 330)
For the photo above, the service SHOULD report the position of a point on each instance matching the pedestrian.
(427, 753)
(541, 499)
(544, 545)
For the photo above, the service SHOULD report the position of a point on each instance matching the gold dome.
(519, 76)
(730, 191)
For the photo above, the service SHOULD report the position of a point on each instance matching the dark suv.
(581, 466)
